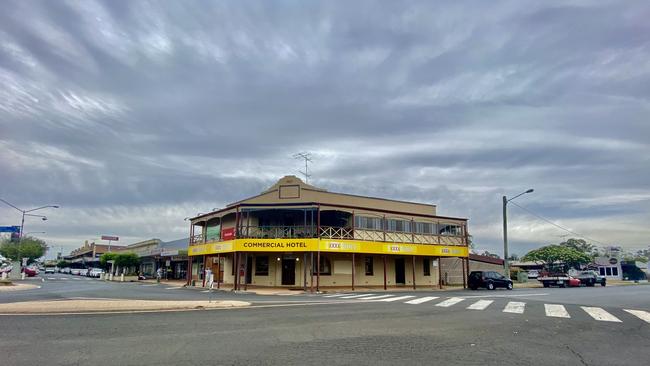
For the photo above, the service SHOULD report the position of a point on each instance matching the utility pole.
(307, 157)
(505, 231)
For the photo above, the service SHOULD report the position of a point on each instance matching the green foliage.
(581, 246)
(127, 260)
(26, 247)
(551, 254)
(104, 258)
(63, 264)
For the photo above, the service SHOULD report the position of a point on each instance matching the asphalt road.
(330, 329)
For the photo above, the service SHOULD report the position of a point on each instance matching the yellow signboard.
(326, 245)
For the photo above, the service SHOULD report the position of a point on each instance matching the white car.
(75, 271)
(533, 273)
(95, 272)
(65, 270)
(50, 270)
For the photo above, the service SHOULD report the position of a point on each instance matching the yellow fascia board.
(327, 245)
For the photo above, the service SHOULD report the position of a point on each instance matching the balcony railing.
(334, 232)
(269, 232)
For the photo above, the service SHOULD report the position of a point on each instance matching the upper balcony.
(332, 224)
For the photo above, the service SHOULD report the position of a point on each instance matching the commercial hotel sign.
(324, 245)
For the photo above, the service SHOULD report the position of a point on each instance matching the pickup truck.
(554, 279)
(591, 278)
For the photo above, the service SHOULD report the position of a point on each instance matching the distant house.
(610, 267)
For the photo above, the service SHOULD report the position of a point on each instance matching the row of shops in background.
(171, 256)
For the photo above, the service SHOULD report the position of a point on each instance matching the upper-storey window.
(450, 229)
(424, 228)
(368, 223)
(402, 226)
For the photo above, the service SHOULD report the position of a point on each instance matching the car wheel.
(490, 286)
(563, 285)
(603, 284)
(546, 284)
(509, 286)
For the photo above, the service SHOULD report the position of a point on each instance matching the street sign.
(9, 229)
(110, 238)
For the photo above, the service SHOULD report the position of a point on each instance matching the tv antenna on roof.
(306, 156)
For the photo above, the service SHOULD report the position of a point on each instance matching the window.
(369, 266)
(262, 266)
(325, 265)
(602, 271)
(402, 226)
(367, 223)
(450, 229)
(608, 271)
(424, 228)
(426, 264)
(614, 271)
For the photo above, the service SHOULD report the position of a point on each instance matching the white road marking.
(51, 278)
(515, 307)
(376, 297)
(480, 305)
(600, 314)
(355, 296)
(77, 279)
(172, 288)
(421, 300)
(397, 298)
(556, 311)
(643, 315)
(493, 296)
(205, 291)
(149, 285)
(335, 295)
(449, 302)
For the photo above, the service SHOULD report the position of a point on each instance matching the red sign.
(111, 238)
(228, 233)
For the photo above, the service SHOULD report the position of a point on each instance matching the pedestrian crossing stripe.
(355, 296)
(556, 311)
(600, 314)
(449, 302)
(480, 305)
(643, 315)
(376, 297)
(390, 299)
(335, 295)
(515, 307)
(421, 300)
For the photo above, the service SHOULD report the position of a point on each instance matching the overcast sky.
(133, 115)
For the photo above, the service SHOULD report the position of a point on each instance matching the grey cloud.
(138, 105)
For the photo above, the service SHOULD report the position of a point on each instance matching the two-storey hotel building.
(299, 236)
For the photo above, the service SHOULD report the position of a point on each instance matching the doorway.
(249, 269)
(288, 271)
(400, 271)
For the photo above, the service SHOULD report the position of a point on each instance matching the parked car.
(533, 273)
(75, 271)
(95, 272)
(591, 278)
(30, 271)
(573, 282)
(50, 270)
(66, 270)
(489, 280)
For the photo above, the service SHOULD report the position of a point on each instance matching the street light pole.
(506, 266)
(25, 213)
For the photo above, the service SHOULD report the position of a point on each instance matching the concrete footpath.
(75, 306)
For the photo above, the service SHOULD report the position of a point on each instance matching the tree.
(63, 264)
(127, 261)
(563, 255)
(580, 245)
(513, 257)
(104, 258)
(26, 247)
(488, 254)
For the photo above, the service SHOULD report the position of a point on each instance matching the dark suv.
(489, 280)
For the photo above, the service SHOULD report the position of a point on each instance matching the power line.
(556, 225)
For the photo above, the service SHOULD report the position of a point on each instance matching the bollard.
(122, 277)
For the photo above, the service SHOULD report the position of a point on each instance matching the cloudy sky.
(133, 115)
